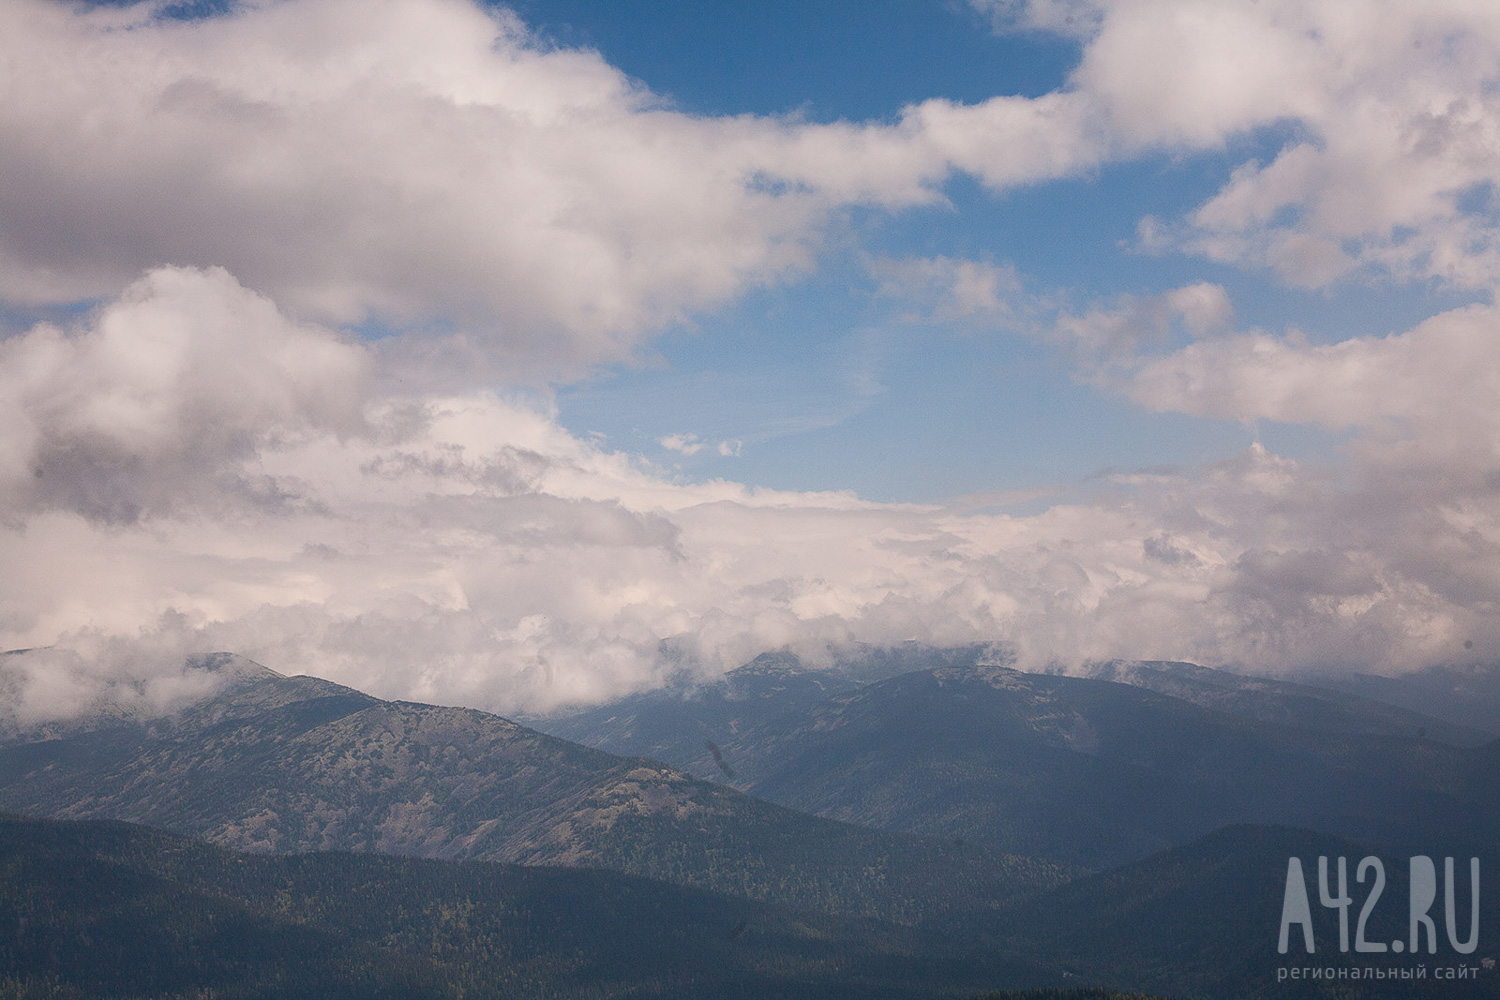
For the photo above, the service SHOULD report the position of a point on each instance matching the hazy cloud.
(953, 290)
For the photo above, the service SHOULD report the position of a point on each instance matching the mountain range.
(283, 764)
(1085, 771)
(944, 830)
(1462, 694)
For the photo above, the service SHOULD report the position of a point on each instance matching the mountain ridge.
(1093, 771)
(283, 764)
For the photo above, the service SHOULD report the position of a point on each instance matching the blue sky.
(822, 382)
(515, 356)
(823, 60)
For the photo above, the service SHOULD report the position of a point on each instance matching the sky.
(529, 356)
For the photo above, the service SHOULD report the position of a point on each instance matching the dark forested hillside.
(108, 910)
(1081, 769)
(1203, 921)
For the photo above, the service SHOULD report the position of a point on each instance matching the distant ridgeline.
(978, 829)
(1084, 771)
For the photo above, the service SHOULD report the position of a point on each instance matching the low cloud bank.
(470, 550)
(208, 459)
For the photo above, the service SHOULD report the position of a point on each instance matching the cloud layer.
(426, 164)
(430, 165)
(210, 459)
(468, 549)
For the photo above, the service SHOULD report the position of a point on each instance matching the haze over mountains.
(1080, 770)
(934, 811)
(1467, 695)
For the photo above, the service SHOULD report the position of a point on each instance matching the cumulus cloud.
(1387, 110)
(425, 163)
(1440, 379)
(155, 403)
(414, 160)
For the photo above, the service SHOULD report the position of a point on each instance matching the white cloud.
(415, 159)
(470, 550)
(141, 678)
(1441, 379)
(687, 444)
(153, 405)
(1203, 307)
(425, 163)
(1388, 109)
(203, 464)
(1426, 391)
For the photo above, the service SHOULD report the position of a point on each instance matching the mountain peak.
(232, 666)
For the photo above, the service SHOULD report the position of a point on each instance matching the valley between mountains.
(921, 824)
